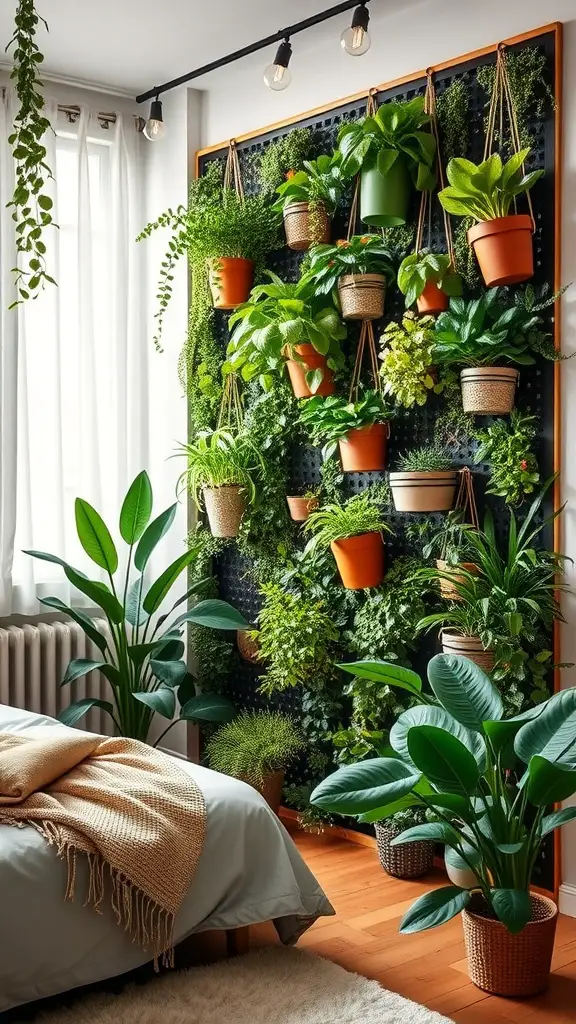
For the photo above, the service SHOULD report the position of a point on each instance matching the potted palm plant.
(425, 480)
(502, 241)
(490, 781)
(391, 150)
(359, 268)
(429, 280)
(308, 199)
(359, 428)
(220, 472)
(256, 747)
(287, 325)
(140, 652)
(407, 354)
(353, 531)
(486, 335)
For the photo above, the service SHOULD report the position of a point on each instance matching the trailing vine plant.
(31, 205)
(531, 90)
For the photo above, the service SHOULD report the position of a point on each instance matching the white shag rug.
(271, 986)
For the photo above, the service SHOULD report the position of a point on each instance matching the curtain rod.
(106, 119)
(285, 33)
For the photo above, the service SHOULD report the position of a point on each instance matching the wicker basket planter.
(504, 250)
(423, 492)
(248, 647)
(303, 228)
(311, 360)
(447, 589)
(468, 647)
(511, 965)
(300, 508)
(411, 860)
(365, 449)
(362, 296)
(489, 390)
(360, 560)
(224, 508)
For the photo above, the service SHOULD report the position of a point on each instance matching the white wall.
(420, 34)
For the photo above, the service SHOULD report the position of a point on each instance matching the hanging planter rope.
(231, 277)
(231, 413)
(466, 503)
(366, 342)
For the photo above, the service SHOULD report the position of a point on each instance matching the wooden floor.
(430, 967)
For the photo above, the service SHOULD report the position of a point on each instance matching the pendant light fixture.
(356, 39)
(278, 76)
(155, 129)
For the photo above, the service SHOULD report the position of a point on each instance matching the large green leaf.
(136, 509)
(208, 707)
(163, 701)
(74, 712)
(501, 734)
(214, 614)
(424, 714)
(553, 733)
(513, 907)
(166, 581)
(434, 908)
(443, 759)
(170, 672)
(430, 831)
(87, 624)
(557, 819)
(459, 805)
(45, 557)
(134, 613)
(152, 535)
(95, 537)
(464, 690)
(381, 813)
(549, 783)
(384, 672)
(357, 788)
(80, 667)
(98, 593)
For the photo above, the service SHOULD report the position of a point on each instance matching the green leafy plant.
(362, 254)
(508, 447)
(422, 268)
(396, 128)
(430, 458)
(219, 459)
(296, 637)
(140, 652)
(321, 182)
(385, 624)
(454, 757)
(466, 262)
(285, 154)
(407, 356)
(254, 745)
(330, 419)
(360, 514)
(30, 203)
(446, 540)
(453, 113)
(278, 318)
(486, 191)
(531, 92)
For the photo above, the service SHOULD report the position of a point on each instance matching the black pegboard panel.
(414, 427)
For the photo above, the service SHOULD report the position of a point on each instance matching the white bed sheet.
(249, 871)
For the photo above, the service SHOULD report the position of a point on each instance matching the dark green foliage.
(431, 458)
(287, 153)
(530, 87)
(253, 745)
(508, 446)
(453, 113)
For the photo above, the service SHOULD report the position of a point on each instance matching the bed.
(249, 872)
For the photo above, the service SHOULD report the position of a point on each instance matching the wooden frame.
(556, 28)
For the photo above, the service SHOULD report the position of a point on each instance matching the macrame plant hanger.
(231, 412)
(371, 108)
(501, 105)
(425, 214)
(465, 500)
(232, 172)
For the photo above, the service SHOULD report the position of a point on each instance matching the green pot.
(384, 200)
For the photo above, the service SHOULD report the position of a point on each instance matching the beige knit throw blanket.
(136, 815)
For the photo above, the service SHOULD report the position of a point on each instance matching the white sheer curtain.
(75, 371)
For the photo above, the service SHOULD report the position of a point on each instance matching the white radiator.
(33, 661)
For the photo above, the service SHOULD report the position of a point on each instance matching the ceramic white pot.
(458, 871)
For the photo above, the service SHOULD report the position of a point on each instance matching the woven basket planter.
(304, 229)
(489, 390)
(362, 296)
(447, 589)
(249, 648)
(411, 860)
(423, 492)
(300, 508)
(511, 965)
(224, 508)
(467, 647)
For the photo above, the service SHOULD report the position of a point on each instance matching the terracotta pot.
(504, 249)
(249, 648)
(304, 228)
(365, 449)
(410, 860)
(271, 790)
(360, 560)
(300, 508)
(224, 508)
(312, 360)
(231, 280)
(489, 390)
(362, 296)
(447, 589)
(467, 647)
(433, 300)
(423, 492)
(505, 964)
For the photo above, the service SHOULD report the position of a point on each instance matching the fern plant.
(220, 459)
(360, 514)
(254, 745)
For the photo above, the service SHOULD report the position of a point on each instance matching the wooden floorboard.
(429, 967)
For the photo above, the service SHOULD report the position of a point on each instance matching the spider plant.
(219, 459)
(333, 522)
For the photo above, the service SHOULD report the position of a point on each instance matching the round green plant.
(396, 128)
(254, 745)
(422, 268)
(330, 419)
(430, 458)
(218, 459)
(407, 355)
(360, 514)
(361, 254)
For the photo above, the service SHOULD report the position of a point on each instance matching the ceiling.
(130, 45)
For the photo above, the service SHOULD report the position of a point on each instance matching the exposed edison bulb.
(277, 77)
(355, 41)
(155, 129)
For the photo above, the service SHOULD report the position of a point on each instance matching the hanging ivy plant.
(31, 205)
